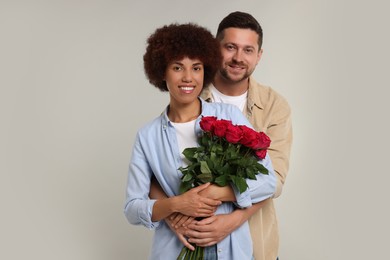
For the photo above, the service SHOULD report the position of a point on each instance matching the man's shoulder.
(262, 89)
(264, 93)
(206, 93)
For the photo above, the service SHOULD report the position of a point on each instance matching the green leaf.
(187, 177)
(205, 177)
(221, 180)
(239, 182)
(262, 169)
(185, 186)
(204, 168)
(190, 152)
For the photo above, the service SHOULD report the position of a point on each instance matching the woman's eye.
(176, 68)
(197, 68)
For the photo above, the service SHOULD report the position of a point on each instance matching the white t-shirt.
(238, 101)
(186, 137)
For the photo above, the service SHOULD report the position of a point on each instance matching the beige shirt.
(269, 112)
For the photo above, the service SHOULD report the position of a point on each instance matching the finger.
(192, 234)
(202, 227)
(185, 242)
(188, 221)
(172, 216)
(201, 187)
(204, 214)
(206, 221)
(202, 241)
(176, 220)
(181, 221)
(206, 210)
(211, 243)
(211, 202)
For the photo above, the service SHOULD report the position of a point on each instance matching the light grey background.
(73, 94)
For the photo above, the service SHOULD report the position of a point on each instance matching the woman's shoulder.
(152, 126)
(219, 108)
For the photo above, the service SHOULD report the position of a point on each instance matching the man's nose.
(237, 55)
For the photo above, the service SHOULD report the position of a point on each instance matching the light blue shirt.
(156, 152)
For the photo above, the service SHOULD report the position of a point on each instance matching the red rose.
(264, 140)
(233, 134)
(207, 123)
(261, 153)
(249, 137)
(220, 127)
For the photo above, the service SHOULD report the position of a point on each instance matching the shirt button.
(219, 250)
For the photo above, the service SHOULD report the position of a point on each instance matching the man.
(240, 37)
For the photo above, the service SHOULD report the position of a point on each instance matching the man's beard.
(225, 75)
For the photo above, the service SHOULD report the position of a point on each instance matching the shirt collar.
(165, 119)
(254, 98)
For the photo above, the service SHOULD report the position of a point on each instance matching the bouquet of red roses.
(226, 154)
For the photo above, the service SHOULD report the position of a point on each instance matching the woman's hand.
(191, 203)
(216, 192)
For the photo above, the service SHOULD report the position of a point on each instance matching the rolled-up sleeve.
(260, 189)
(138, 207)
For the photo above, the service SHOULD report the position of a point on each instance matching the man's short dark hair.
(240, 20)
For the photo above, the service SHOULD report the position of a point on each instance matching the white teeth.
(187, 88)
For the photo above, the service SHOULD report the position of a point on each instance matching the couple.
(186, 61)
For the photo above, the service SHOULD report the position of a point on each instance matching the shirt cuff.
(243, 199)
(146, 216)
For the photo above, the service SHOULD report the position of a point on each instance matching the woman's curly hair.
(176, 41)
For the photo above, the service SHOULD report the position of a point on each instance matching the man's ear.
(259, 54)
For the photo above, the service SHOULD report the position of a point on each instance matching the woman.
(182, 59)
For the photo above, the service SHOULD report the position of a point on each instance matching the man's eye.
(230, 47)
(248, 50)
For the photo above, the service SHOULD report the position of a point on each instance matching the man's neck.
(230, 88)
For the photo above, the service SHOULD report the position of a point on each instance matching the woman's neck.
(181, 113)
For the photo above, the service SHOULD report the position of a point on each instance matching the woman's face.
(184, 80)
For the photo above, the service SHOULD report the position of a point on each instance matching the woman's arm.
(190, 203)
(140, 209)
(212, 191)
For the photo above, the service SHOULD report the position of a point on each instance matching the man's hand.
(178, 220)
(177, 223)
(212, 230)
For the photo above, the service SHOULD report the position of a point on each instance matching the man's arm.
(214, 229)
(279, 129)
(210, 230)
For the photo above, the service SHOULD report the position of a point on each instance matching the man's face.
(240, 51)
